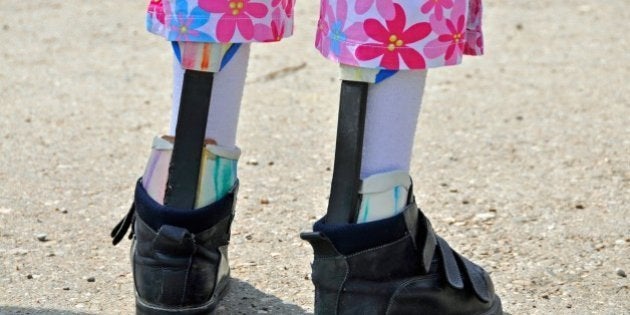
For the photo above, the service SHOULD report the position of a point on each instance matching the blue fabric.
(384, 74)
(353, 238)
(229, 54)
(177, 51)
(195, 221)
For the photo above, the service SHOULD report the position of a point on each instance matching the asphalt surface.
(521, 160)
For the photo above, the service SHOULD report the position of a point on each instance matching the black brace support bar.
(343, 205)
(183, 172)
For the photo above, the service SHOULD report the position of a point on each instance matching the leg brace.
(183, 172)
(343, 206)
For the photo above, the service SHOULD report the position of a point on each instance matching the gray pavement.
(521, 160)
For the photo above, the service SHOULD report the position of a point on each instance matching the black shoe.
(179, 257)
(395, 266)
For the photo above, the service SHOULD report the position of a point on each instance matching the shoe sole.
(496, 309)
(145, 308)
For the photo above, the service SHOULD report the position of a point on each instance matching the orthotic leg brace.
(183, 172)
(343, 206)
(200, 60)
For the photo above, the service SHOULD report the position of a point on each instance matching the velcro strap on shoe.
(476, 276)
(449, 263)
(422, 235)
(119, 231)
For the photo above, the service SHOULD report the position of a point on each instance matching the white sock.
(392, 114)
(225, 103)
(390, 124)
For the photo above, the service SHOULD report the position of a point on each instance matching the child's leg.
(179, 255)
(392, 262)
(218, 169)
(390, 125)
(227, 92)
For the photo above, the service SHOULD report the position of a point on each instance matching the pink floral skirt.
(376, 34)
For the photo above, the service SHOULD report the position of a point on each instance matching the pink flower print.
(236, 14)
(274, 33)
(322, 31)
(156, 8)
(393, 41)
(451, 37)
(384, 7)
(184, 26)
(338, 32)
(287, 5)
(437, 6)
(475, 9)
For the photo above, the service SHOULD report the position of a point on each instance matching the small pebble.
(42, 237)
(264, 201)
(66, 288)
(62, 210)
(580, 207)
(621, 273)
(271, 163)
(91, 279)
(485, 216)
(252, 162)
(29, 276)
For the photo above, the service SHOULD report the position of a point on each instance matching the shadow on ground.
(241, 299)
(38, 311)
(245, 299)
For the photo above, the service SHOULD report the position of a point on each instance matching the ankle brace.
(217, 172)
(383, 195)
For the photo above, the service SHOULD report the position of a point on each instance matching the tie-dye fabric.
(375, 34)
(217, 172)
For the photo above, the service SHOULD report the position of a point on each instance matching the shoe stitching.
(190, 262)
(343, 283)
(403, 286)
